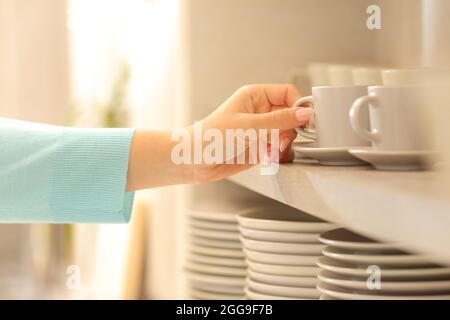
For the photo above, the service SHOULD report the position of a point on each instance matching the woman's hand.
(251, 107)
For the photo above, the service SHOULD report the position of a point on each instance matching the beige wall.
(33, 60)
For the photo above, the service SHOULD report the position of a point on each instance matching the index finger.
(281, 94)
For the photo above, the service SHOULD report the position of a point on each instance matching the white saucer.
(215, 234)
(337, 156)
(292, 292)
(341, 293)
(345, 239)
(217, 261)
(354, 270)
(395, 160)
(220, 281)
(277, 236)
(281, 259)
(424, 286)
(251, 295)
(283, 270)
(397, 260)
(287, 281)
(215, 269)
(283, 247)
(220, 225)
(217, 252)
(205, 295)
(220, 244)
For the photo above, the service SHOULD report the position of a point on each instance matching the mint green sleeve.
(63, 175)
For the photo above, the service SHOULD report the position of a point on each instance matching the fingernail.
(303, 114)
(284, 144)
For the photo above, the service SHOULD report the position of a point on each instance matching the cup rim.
(339, 87)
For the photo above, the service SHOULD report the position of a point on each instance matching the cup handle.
(301, 131)
(355, 122)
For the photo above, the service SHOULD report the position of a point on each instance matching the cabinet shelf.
(408, 208)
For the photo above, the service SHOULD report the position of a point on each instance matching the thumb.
(284, 119)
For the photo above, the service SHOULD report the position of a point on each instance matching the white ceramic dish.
(215, 270)
(228, 262)
(345, 239)
(281, 259)
(196, 277)
(251, 295)
(338, 156)
(283, 247)
(214, 243)
(295, 271)
(217, 252)
(354, 270)
(213, 216)
(397, 260)
(325, 297)
(274, 290)
(386, 286)
(215, 234)
(205, 295)
(282, 219)
(395, 160)
(204, 224)
(287, 281)
(210, 287)
(274, 236)
(341, 293)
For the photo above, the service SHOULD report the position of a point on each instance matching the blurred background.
(161, 64)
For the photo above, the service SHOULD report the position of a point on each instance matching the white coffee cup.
(331, 105)
(367, 76)
(398, 118)
(340, 75)
(406, 77)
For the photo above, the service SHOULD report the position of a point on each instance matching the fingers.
(284, 119)
(280, 94)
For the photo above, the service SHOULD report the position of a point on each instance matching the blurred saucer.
(395, 160)
(335, 156)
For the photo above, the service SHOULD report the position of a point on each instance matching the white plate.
(293, 292)
(293, 237)
(338, 156)
(354, 270)
(205, 295)
(281, 259)
(215, 234)
(341, 293)
(386, 286)
(283, 247)
(295, 271)
(282, 219)
(204, 224)
(196, 277)
(345, 239)
(210, 287)
(215, 270)
(282, 280)
(217, 252)
(214, 243)
(226, 262)
(395, 160)
(213, 216)
(251, 295)
(398, 260)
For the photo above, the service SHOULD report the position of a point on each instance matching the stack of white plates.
(357, 268)
(281, 247)
(215, 264)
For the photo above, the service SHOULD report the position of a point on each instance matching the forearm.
(150, 163)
